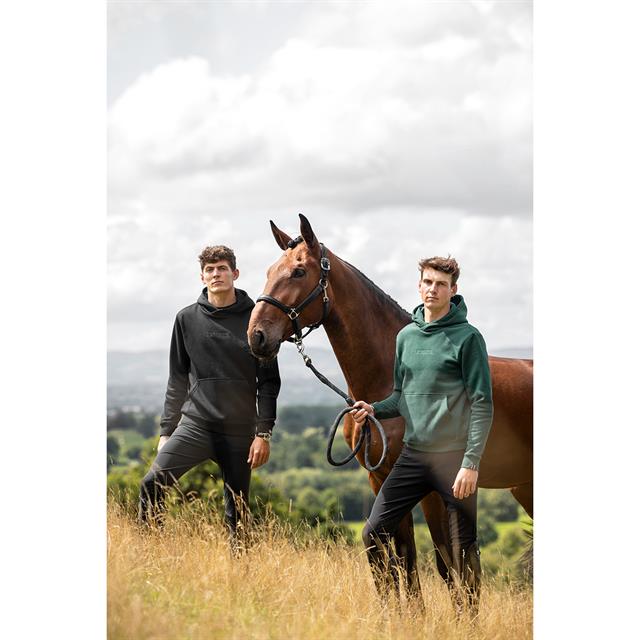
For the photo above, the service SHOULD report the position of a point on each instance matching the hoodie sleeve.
(268, 377)
(477, 381)
(388, 408)
(177, 386)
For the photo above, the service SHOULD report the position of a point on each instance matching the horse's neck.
(362, 329)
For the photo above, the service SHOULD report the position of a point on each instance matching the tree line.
(297, 484)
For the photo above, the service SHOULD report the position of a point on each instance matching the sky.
(401, 130)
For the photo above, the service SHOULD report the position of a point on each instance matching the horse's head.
(295, 290)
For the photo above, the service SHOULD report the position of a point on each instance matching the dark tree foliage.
(297, 485)
(144, 422)
(498, 504)
(147, 425)
(121, 420)
(296, 418)
(486, 531)
(134, 452)
(113, 446)
(113, 450)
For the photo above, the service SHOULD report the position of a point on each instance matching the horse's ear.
(307, 232)
(281, 237)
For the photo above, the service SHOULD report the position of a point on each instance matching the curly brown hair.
(215, 254)
(446, 265)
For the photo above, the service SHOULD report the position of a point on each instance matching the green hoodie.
(442, 385)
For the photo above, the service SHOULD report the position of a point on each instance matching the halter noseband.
(321, 288)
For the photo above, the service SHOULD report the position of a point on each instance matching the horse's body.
(362, 325)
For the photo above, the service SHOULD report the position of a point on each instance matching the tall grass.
(182, 582)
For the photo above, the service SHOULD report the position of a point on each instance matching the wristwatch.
(265, 435)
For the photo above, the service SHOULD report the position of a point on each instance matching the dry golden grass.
(183, 583)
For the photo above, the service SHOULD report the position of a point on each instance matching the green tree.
(310, 501)
(513, 542)
(121, 420)
(147, 425)
(113, 450)
(487, 533)
(296, 418)
(134, 452)
(498, 504)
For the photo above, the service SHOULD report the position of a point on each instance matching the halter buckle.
(325, 265)
(293, 314)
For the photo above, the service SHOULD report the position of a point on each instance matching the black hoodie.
(213, 377)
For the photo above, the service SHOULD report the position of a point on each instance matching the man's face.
(218, 277)
(436, 290)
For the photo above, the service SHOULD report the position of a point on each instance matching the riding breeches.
(189, 445)
(414, 475)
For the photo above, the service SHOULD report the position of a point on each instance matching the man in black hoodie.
(210, 403)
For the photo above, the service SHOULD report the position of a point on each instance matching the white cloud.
(344, 124)
(395, 127)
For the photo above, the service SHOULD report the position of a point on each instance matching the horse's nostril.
(258, 337)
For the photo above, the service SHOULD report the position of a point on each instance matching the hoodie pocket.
(223, 400)
(429, 413)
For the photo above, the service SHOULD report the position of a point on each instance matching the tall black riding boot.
(384, 564)
(465, 589)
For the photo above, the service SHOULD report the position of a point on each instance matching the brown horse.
(361, 322)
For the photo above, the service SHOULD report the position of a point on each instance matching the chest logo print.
(217, 334)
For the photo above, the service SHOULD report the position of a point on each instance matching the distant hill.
(138, 379)
(513, 352)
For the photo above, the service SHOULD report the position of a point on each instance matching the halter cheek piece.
(321, 288)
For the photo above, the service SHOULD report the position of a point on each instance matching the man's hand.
(259, 452)
(465, 483)
(360, 411)
(162, 442)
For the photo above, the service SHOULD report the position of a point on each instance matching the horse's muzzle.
(261, 346)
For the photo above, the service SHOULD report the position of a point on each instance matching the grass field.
(183, 583)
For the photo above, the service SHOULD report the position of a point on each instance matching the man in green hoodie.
(442, 389)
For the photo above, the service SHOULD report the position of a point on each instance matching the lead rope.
(365, 433)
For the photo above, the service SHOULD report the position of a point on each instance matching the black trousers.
(414, 475)
(189, 445)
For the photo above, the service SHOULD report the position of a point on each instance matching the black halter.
(293, 313)
(321, 288)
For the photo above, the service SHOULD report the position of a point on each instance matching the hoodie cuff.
(470, 462)
(266, 425)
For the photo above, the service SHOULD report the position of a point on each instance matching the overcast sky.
(400, 129)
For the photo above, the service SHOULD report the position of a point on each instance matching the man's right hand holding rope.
(360, 412)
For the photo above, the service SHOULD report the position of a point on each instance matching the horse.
(361, 322)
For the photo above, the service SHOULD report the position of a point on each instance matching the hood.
(243, 303)
(457, 315)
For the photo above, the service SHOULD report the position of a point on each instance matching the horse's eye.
(298, 273)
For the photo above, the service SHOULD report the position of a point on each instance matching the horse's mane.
(381, 295)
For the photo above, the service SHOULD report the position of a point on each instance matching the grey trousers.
(188, 446)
